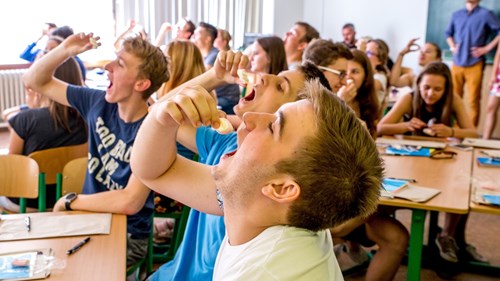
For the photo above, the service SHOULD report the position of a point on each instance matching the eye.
(270, 127)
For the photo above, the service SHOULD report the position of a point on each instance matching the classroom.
(196, 140)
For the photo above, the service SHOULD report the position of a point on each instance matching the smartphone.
(462, 146)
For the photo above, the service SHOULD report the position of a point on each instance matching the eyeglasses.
(340, 73)
(371, 54)
(442, 154)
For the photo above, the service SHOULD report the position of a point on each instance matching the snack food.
(93, 42)
(225, 126)
(349, 81)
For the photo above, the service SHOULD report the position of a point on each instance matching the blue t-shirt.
(110, 145)
(195, 258)
(209, 59)
(471, 30)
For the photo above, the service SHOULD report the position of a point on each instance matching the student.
(222, 40)
(182, 30)
(433, 98)
(378, 53)
(467, 34)
(349, 35)
(296, 41)
(268, 55)
(494, 98)
(195, 258)
(331, 58)
(401, 76)
(35, 49)
(275, 191)
(47, 124)
(204, 37)
(113, 117)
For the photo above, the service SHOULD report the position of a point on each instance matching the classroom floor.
(482, 231)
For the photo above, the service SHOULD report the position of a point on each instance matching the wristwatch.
(70, 197)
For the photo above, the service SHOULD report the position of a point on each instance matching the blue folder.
(487, 161)
(425, 152)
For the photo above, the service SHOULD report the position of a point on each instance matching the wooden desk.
(451, 176)
(484, 173)
(103, 258)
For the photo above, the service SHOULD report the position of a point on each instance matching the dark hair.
(191, 26)
(51, 24)
(445, 104)
(312, 72)
(69, 72)
(275, 50)
(383, 55)
(367, 96)
(439, 52)
(348, 25)
(212, 31)
(324, 52)
(154, 64)
(310, 34)
(63, 31)
(338, 169)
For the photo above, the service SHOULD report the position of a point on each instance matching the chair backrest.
(52, 161)
(19, 178)
(73, 175)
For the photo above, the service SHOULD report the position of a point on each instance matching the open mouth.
(229, 154)
(251, 96)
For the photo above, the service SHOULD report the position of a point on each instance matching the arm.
(160, 38)
(398, 79)
(40, 76)
(16, 143)
(119, 39)
(479, 51)
(126, 201)
(466, 127)
(452, 45)
(188, 182)
(494, 70)
(391, 123)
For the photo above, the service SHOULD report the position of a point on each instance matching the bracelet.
(452, 132)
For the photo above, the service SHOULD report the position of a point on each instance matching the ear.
(282, 190)
(302, 46)
(142, 85)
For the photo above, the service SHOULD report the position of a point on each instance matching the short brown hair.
(338, 169)
(311, 32)
(154, 64)
(324, 52)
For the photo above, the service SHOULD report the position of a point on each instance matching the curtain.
(236, 16)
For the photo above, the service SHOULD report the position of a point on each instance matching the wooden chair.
(19, 179)
(73, 176)
(51, 163)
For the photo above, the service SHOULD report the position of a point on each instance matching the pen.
(27, 222)
(403, 179)
(78, 246)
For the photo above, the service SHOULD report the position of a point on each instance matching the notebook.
(413, 193)
(424, 151)
(488, 162)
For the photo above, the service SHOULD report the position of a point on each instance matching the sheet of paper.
(495, 144)
(431, 144)
(54, 226)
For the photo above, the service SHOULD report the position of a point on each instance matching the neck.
(204, 50)
(295, 57)
(132, 111)
(243, 225)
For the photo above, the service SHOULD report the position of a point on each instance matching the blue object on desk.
(425, 152)
(493, 199)
(487, 161)
(392, 185)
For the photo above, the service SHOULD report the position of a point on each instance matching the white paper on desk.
(416, 193)
(495, 144)
(55, 226)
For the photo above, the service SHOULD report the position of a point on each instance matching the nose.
(256, 120)
(108, 66)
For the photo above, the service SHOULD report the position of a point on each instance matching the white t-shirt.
(279, 253)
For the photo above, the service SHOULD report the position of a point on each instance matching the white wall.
(286, 13)
(396, 22)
